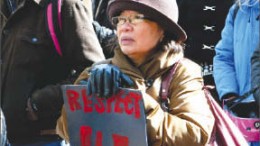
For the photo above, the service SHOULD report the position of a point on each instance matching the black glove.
(46, 102)
(105, 80)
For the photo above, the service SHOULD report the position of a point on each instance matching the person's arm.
(223, 62)
(81, 45)
(189, 120)
(255, 78)
(80, 48)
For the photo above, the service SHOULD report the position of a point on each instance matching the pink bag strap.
(226, 133)
(54, 24)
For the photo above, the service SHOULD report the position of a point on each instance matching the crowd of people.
(32, 71)
(133, 44)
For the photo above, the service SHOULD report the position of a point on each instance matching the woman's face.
(139, 36)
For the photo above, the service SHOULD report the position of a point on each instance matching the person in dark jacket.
(104, 29)
(99, 13)
(203, 22)
(31, 69)
(106, 37)
(102, 26)
(255, 77)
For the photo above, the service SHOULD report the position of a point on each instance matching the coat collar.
(154, 66)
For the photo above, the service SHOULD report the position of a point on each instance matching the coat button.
(34, 40)
(73, 72)
(149, 82)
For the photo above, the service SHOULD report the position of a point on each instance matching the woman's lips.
(126, 41)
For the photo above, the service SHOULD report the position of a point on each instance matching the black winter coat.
(100, 14)
(31, 63)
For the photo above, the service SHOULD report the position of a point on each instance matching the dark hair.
(169, 42)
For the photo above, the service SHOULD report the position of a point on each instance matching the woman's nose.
(127, 26)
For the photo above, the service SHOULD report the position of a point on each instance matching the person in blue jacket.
(232, 69)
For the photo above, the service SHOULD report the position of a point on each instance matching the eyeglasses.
(120, 20)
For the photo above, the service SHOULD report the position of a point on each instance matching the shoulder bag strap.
(54, 24)
(166, 81)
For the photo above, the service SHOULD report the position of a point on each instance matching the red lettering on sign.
(73, 97)
(123, 102)
(100, 107)
(118, 108)
(136, 104)
(87, 101)
(129, 109)
(85, 135)
(120, 140)
(99, 138)
(109, 102)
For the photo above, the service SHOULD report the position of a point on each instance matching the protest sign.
(115, 121)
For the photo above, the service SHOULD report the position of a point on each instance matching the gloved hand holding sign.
(105, 80)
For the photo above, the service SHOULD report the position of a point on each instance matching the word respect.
(121, 103)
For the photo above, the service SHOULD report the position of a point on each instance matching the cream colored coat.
(189, 122)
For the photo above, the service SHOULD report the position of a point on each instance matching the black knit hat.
(163, 12)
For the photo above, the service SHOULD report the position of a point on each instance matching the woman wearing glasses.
(149, 44)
